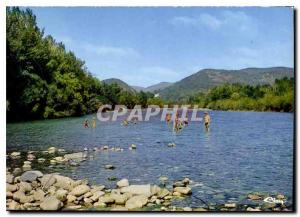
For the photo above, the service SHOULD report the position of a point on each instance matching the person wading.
(206, 121)
(94, 122)
(86, 123)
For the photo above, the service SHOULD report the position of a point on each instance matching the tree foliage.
(44, 80)
(276, 97)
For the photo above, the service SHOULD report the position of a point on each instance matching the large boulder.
(51, 203)
(123, 183)
(119, 199)
(24, 186)
(9, 178)
(26, 199)
(61, 194)
(97, 188)
(18, 195)
(30, 176)
(39, 195)
(17, 171)
(155, 189)
(47, 180)
(163, 193)
(96, 195)
(64, 182)
(137, 190)
(183, 190)
(11, 188)
(136, 202)
(107, 199)
(13, 205)
(71, 198)
(80, 190)
(79, 156)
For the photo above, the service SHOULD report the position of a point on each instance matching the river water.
(243, 152)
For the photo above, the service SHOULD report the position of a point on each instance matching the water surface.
(243, 152)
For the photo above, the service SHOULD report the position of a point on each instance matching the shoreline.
(30, 189)
(199, 109)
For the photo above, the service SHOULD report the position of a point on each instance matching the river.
(243, 152)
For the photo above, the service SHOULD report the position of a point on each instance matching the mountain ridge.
(208, 78)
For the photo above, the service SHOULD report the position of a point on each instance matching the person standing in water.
(94, 122)
(168, 118)
(206, 121)
(86, 123)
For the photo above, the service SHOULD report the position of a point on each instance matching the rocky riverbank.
(30, 189)
(34, 190)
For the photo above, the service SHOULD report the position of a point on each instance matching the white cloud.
(204, 19)
(111, 51)
(239, 20)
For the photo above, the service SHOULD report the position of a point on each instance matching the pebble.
(15, 154)
(133, 146)
(163, 178)
(109, 167)
(100, 205)
(230, 205)
(52, 150)
(200, 209)
(254, 197)
(177, 194)
(280, 196)
(257, 209)
(41, 160)
(30, 157)
(171, 145)
(187, 209)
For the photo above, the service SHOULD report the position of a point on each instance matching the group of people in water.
(178, 124)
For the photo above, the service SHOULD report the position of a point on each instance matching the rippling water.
(243, 152)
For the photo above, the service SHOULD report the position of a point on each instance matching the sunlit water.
(243, 152)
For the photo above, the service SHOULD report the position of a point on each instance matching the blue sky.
(144, 46)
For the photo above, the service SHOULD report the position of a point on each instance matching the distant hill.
(138, 88)
(153, 88)
(158, 87)
(119, 82)
(207, 78)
